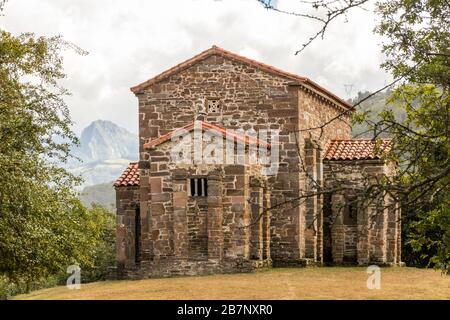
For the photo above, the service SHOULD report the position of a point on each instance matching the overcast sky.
(131, 41)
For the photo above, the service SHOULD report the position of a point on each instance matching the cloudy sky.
(131, 41)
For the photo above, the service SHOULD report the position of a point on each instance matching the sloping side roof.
(357, 149)
(130, 177)
(214, 50)
(205, 125)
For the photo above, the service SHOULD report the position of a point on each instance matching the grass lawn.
(301, 283)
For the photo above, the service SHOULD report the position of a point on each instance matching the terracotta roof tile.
(357, 149)
(214, 50)
(206, 125)
(130, 177)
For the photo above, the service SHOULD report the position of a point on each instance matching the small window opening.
(137, 235)
(213, 105)
(199, 187)
(351, 213)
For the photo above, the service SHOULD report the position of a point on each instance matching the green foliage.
(421, 150)
(43, 226)
(417, 39)
(9, 288)
(104, 255)
(417, 54)
(429, 237)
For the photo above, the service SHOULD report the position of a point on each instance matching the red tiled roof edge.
(206, 125)
(216, 50)
(355, 149)
(130, 176)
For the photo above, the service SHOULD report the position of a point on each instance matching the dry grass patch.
(304, 283)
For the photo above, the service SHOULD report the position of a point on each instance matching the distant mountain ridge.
(104, 152)
(104, 140)
(375, 104)
(102, 194)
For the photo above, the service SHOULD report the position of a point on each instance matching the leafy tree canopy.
(417, 54)
(43, 226)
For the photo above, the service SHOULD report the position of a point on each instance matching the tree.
(417, 50)
(104, 254)
(43, 226)
(416, 47)
(428, 235)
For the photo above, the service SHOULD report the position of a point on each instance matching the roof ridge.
(169, 71)
(205, 125)
(362, 139)
(266, 67)
(260, 64)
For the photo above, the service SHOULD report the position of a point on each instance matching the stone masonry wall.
(249, 98)
(198, 235)
(376, 236)
(127, 201)
(319, 122)
(184, 235)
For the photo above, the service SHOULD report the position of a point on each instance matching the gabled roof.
(130, 177)
(205, 125)
(356, 149)
(214, 50)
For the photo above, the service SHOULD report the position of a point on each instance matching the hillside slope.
(103, 194)
(374, 105)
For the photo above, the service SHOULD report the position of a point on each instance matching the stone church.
(203, 217)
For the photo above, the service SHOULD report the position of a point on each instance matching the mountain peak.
(99, 126)
(105, 150)
(103, 140)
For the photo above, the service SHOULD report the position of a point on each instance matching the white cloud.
(134, 40)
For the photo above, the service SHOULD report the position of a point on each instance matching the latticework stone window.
(213, 105)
